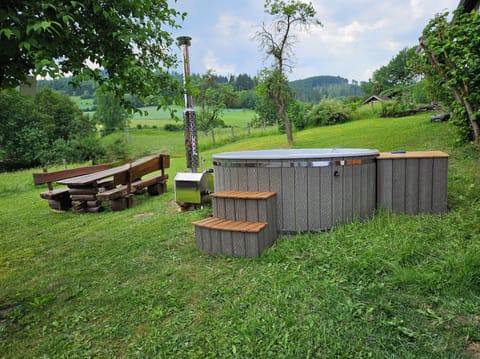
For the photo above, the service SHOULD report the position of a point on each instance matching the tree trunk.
(470, 113)
(283, 114)
(473, 121)
(458, 93)
(288, 127)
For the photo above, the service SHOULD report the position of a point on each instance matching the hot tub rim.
(296, 154)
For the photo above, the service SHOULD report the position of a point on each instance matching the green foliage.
(133, 283)
(22, 136)
(249, 99)
(65, 120)
(390, 108)
(117, 150)
(451, 64)
(110, 113)
(275, 94)
(212, 100)
(266, 108)
(75, 150)
(328, 112)
(230, 98)
(243, 82)
(125, 38)
(66, 85)
(48, 129)
(400, 71)
(173, 127)
(297, 113)
(314, 89)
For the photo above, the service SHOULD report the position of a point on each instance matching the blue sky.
(358, 36)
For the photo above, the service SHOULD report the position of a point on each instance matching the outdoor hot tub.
(316, 188)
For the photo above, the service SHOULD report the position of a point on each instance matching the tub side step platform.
(232, 238)
(249, 207)
(243, 195)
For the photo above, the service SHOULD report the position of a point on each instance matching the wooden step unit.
(247, 206)
(243, 224)
(231, 238)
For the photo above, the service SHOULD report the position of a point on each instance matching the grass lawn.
(133, 283)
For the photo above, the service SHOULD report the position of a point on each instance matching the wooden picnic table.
(117, 184)
(93, 178)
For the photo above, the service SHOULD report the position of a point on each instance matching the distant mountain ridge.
(316, 88)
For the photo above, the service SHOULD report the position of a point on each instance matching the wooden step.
(232, 238)
(249, 207)
(230, 225)
(243, 195)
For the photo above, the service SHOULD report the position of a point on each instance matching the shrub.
(297, 114)
(118, 150)
(328, 112)
(390, 108)
(396, 108)
(172, 127)
(46, 129)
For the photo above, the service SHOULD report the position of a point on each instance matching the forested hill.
(314, 89)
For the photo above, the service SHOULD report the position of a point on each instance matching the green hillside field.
(134, 284)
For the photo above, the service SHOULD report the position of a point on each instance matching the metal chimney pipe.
(189, 117)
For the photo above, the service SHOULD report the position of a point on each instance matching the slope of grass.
(133, 283)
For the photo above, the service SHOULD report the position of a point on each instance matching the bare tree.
(277, 40)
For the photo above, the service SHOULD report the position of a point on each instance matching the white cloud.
(417, 8)
(211, 62)
(357, 38)
(233, 30)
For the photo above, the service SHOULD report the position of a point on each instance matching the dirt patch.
(143, 215)
(473, 350)
(4, 313)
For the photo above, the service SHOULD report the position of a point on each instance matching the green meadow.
(133, 283)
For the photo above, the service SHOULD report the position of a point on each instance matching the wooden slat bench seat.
(122, 190)
(156, 185)
(55, 193)
(120, 197)
(114, 193)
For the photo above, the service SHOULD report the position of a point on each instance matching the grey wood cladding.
(312, 198)
(308, 198)
(413, 183)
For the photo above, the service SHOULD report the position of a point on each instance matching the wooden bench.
(122, 190)
(130, 182)
(59, 198)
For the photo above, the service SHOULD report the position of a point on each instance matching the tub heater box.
(193, 189)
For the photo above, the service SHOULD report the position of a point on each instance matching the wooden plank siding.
(413, 182)
(309, 198)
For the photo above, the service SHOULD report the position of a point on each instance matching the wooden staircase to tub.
(244, 224)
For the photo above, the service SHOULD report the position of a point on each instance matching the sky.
(357, 36)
